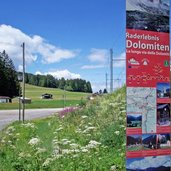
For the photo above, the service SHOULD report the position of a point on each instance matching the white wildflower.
(78, 130)
(65, 141)
(40, 150)
(12, 146)
(74, 145)
(113, 168)
(56, 151)
(17, 134)
(124, 144)
(11, 129)
(47, 162)
(9, 142)
(3, 141)
(92, 144)
(60, 128)
(84, 150)
(34, 141)
(120, 118)
(91, 128)
(117, 132)
(24, 155)
(84, 116)
(28, 125)
(66, 151)
(57, 156)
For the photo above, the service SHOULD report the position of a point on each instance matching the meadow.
(60, 99)
(87, 138)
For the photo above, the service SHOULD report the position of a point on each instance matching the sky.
(64, 38)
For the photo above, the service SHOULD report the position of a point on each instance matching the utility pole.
(106, 82)
(111, 70)
(23, 100)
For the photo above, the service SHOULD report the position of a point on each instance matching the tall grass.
(91, 138)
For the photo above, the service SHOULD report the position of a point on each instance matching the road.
(9, 116)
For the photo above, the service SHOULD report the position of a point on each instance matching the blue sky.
(66, 38)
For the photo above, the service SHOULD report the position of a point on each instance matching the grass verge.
(88, 139)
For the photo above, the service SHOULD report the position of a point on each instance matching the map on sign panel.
(143, 100)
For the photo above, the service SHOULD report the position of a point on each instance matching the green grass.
(91, 138)
(135, 148)
(35, 92)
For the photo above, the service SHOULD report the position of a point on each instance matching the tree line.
(76, 85)
(9, 84)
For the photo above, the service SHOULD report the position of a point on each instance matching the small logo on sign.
(132, 61)
(166, 63)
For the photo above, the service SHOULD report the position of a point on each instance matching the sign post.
(148, 130)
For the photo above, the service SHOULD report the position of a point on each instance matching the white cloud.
(20, 68)
(61, 73)
(92, 66)
(119, 61)
(11, 39)
(98, 55)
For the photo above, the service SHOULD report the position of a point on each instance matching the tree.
(105, 91)
(9, 85)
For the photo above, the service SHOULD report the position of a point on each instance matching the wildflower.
(12, 146)
(84, 116)
(40, 150)
(66, 151)
(34, 141)
(122, 126)
(28, 125)
(124, 144)
(78, 130)
(89, 129)
(60, 128)
(113, 168)
(3, 141)
(9, 142)
(93, 144)
(17, 134)
(65, 141)
(47, 162)
(10, 129)
(84, 150)
(117, 132)
(74, 146)
(24, 155)
(120, 118)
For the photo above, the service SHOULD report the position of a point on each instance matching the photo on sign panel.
(163, 90)
(163, 114)
(154, 163)
(163, 141)
(134, 142)
(134, 120)
(151, 15)
(149, 141)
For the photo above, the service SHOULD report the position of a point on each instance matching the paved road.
(8, 116)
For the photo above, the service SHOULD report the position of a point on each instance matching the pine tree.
(9, 85)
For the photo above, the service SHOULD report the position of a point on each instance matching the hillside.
(60, 99)
(89, 138)
(35, 92)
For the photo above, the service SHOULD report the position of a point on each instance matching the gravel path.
(9, 116)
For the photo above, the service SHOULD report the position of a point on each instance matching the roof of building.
(4, 97)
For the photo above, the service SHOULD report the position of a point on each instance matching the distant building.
(47, 96)
(5, 99)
